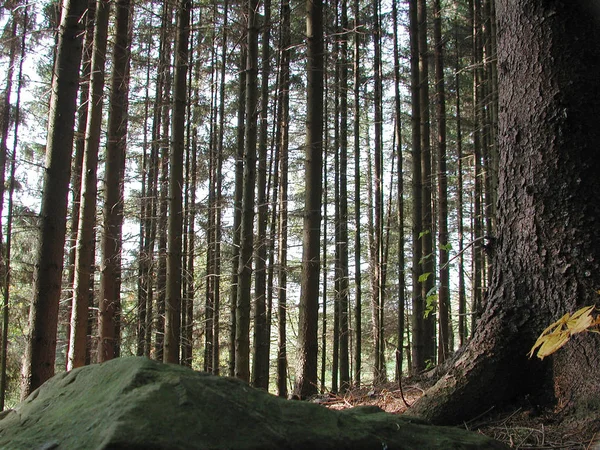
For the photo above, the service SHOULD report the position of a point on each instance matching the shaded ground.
(521, 427)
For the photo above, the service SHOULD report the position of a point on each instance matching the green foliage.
(430, 301)
(424, 233)
(446, 247)
(424, 277)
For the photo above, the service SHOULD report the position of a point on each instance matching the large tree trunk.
(111, 241)
(40, 350)
(306, 378)
(175, 220)
(547, 256)
(84, 259)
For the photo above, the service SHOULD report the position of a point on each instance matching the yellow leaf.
(557, 334)
(581, 320)
(553, 343)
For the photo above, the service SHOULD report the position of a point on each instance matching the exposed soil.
(519, 427)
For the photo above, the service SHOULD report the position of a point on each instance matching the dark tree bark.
(283, 113)
(399, 200)
(427, 231)
(342, 243)
(40, 350)
(237, 213)
(376, 244)
(242, 334)
(6, 276)
(462, 296)
(306, 382)
(418, 350)
(84, 258)
(175, 220)
(262, 340)
(357, 225)
(444, 328)
(78, 148)
(547, 252)
(111, 242)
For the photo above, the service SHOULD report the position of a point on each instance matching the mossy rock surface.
(137, 403)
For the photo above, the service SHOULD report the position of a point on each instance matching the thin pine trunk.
(444, 328)
(85, 255)
(111, 242)
(306, 380)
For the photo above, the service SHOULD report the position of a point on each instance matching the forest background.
(191, 172)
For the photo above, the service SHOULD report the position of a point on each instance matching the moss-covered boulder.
(136, 403)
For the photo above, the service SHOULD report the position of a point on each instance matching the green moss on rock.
(137, 403)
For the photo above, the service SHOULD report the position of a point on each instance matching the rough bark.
(110, 276)
(84, 258)
(306, 381)
(262, 340)
(357, 209)
(547, 252)
(283, 112)
(242, 334)
(175, 220)
(40, 349)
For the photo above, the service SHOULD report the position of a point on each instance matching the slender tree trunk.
(6, 276)
(343, 291)
(260, 368)
(418, 344)
(237, 214)
(282, 142)
(399, 199)
(357, 209)
(428, 255)
(444, 328)
(110, 276)
(77, 163)
(477, 255)
(462, 296)
(242, 335)
(40, 350)
(306, 381)
(175, 220)
(84, 259)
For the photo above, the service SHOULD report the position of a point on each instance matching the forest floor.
(518, 427)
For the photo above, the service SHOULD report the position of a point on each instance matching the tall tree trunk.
(428, 255)
(84, 259)
(418, 310)
(462, 295)
(306, 381)
(6, 276)
(282, 142)
(377, 289)
(242, 335)
(444, 328)
(547, 258)
(40, 350)
(477, 254)
(110, 276)
(357, 201)
(237, 213)
(343, 291)
(175, 220)
(219, 198)
(399, 200)
(260, 368)
(77, 163)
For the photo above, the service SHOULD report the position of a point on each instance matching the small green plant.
(559, 333)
